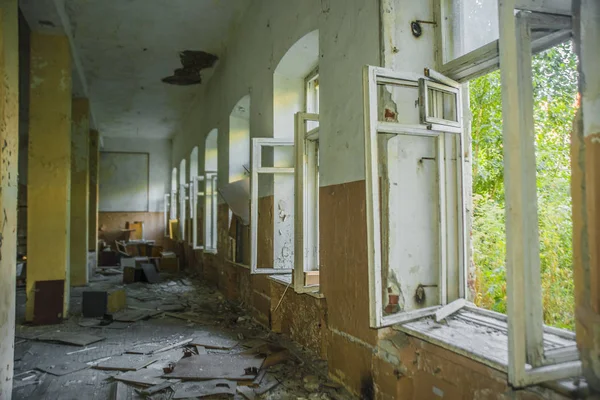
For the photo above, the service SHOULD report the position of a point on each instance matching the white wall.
(160, 164)
(269, 29)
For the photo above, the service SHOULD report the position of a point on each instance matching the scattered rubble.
(175, 339)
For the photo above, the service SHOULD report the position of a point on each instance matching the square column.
(49, 169)
(93, 198)
(80, 184)
(9, 137)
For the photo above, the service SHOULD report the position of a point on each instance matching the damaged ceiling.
(122, 50)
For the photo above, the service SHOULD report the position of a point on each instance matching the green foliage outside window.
(555, 104)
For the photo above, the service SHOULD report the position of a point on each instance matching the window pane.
(470, 24)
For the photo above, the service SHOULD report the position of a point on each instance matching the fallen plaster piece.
(63, 369)
(143, 377)
(217, 366)
(206, 388)
(125, 362)
(449, 309)
(212, 340)
(247, 392)
(74, 338)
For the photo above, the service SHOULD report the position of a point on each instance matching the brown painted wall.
(111, 223)
(367, 361)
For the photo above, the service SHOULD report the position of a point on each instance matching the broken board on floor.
(207, 388)
(73, 338)
(63, 369)
(143, 377)
(150, 273)
(217, 366)
(125, 362)
(212, 340)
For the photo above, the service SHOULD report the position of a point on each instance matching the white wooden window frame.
(372, 77)
(257, 169)
(182, 210)
(197, 196)
(210, 203)
(167, 211)
(487, 58)
(173, 203)
(528, 362)
(311, 98)
(191, 201)
(306, 207)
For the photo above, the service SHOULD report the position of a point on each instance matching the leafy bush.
(555, 104)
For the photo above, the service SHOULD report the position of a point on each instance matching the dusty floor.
(299, 375)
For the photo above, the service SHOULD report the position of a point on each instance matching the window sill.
(244, 266)
(482, 336)
(286, 280)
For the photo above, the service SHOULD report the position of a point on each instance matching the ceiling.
(123, 48)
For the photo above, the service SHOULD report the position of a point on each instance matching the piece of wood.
(449, 309)
(48, 302)
(150, 273)
(77, 339)
(119, 391)
(191, 317)
(171, 346)
(203, 389)
(143, 377)
(212, 340)
(217, 366)
(62, 369)
(158, 388)
(276, 357)
(125, 362)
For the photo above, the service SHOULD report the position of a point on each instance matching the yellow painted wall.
(49, 172)
(94, 179)
(9, 137)
(80, 184)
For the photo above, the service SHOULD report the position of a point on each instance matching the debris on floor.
(174, 339)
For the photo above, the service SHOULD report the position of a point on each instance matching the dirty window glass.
(468, 25)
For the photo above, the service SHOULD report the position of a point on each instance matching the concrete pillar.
(94, 179)
(49, 172)
(80, 185)
(9, 137)
(585, 185)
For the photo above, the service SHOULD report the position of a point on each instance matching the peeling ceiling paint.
(127, 46)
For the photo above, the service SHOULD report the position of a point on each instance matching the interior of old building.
(316, 199)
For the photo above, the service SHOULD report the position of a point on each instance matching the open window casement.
(197, 197)
(306, 231)
(182, 210)
(279, 172)
(210, 212)
(415, 207)
(529, 361)
(192, 201)
(167, 211)
(550, 23)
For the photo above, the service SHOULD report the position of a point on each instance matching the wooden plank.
(119, 391)
(217, 366)
(143, 377)
(171, 346)
(125, 362)
(212, 340)
(73, 338)
(211, 388)
(62, 369)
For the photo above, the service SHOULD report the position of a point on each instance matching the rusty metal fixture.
(417, 29)
(169, 368)
(420, 296)
(187, 352)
